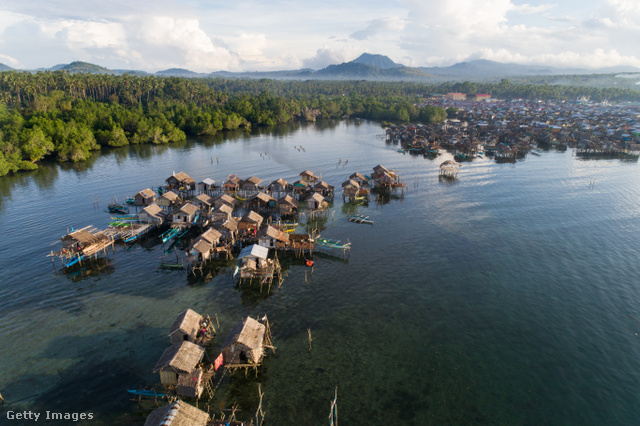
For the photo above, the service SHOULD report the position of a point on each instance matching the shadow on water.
(91, 384)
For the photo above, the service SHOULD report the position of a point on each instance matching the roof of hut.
(183, 177)
(357, 175)
(188, 322)
(178, 413)
(254, 251)
(224, 208)
(280, 182)
(208, 181)
(310, 174)
(323, 184)
(265, 198)
(252, 216)
(153, 210)
(449, 164)
(317, 197)
(201, 245)
(254, 180)
(233, 179)
(287, 199)
(82, 236)
(249, 333)
(147, 193)
(170, 195)
(204, 198)
(350, 182)
(227, 199)
(211, 235)
(183, 358)
(189, 208)
(274, 233)
(300, 183)
(231, 224)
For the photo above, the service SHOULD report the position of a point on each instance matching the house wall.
(168, 377)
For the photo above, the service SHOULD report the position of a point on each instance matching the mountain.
(380, 61)
(179, 72)
(371, 67)
(85, 68)
(482, 68)
(4, 67)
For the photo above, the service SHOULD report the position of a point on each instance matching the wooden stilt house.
(178, 366)
(246, 343)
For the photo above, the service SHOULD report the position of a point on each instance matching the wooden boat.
(536, 151)
(130, 200)
(359, 218)
(166, 265)
(169, 234)
(146, 392)
(118, 208)
(328, 243)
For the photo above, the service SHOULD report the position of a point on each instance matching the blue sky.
(212, 35)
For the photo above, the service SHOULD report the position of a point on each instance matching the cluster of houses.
(186, 370)
(511, 129)
(233, 211)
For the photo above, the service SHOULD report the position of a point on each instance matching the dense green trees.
(64, 117)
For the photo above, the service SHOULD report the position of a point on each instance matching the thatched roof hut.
(178, 413)
(185, 327)
(144, 197)
(449, 169)
(177, 361)
(245, 343)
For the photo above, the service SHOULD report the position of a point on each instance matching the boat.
(166, 265)
(400, 150)
(146, 392)
(328, 243)
(130, 200)
(169, 234)
(118, 208)
(132, 216)
(359, 218)
(74, 261)
(536, 151)
(287, 226)
(131, 239)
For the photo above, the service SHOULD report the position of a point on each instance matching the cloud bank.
(210, 35)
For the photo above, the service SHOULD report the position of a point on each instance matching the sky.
(252, 35)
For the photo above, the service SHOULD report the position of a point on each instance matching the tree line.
(62, 116)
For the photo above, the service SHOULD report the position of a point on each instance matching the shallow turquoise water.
(507, 297)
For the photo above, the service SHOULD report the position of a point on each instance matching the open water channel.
(507, 297)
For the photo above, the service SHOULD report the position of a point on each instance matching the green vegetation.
(64, 116)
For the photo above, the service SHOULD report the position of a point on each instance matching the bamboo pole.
(310, 339)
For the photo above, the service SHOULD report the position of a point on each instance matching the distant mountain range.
(366, 67)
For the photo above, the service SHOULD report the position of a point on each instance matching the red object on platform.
(218, 362)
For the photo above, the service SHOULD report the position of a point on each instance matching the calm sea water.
(507, 297)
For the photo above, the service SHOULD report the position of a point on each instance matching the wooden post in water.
(310, 339)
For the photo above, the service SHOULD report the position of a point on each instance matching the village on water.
(250, 225)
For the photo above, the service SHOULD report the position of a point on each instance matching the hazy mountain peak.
(380, 61)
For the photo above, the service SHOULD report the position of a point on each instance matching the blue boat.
(146, 392)
(169, 234)
(74, 261)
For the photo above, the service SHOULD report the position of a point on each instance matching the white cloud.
(378, 26)
(527, 9)
(328, 56)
